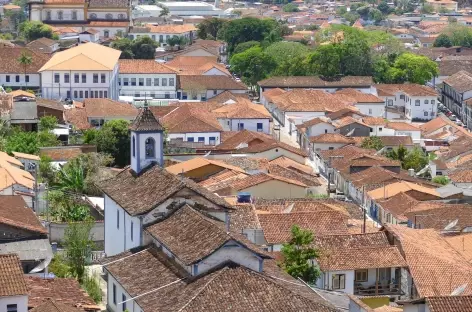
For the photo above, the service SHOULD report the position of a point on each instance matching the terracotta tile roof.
(271, 93)
(461, 176)
(379, 175)
(437, 215)
(374, 121)
(460, 81)
(199, 162)
(161, 111)
(372, 160)
(138, 194)
(387, 308)
(50, 104)
(144, 67)
(25, 156)
(14, 212)
(248, 163)
(77, 117)
(12, 282)
(294, 175)
(53, 306)
(331, 138)
(315, 82)
(164, 29)
(190, 119)
(462, 244)
(458, 148)
(243, 109)
(196, 65)
(277, 226)
(260, 178)
(396, 140)
(430, 259)
(348, 120)
(265, 146)
(221, 182)
(399, 187)
(291, 164)
(360, 258)
(411, 89)
(203, 293)
(108, 24)
(208, 82)
(450, 303)
(242, 217)
(43, 45)
(360, 97)
(145, 121)
(347, 152)
(10, 65)
(402, 126)
(301, 205)
(109, 108)
(313, 122)
(301, 100)
(21, 93)
(398, 205)
(226, 96)
(244, 138)
(192, 237)
(352, 241)
(347, 111)
(108, 3)
(11, 175)
(62, 153)
(65, 290)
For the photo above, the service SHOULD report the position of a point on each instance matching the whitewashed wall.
(194, 135)
(20, 301)
(34, 80)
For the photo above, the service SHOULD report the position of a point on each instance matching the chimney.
(411, 172)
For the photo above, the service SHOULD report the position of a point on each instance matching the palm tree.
(71, 177)
(25, 59)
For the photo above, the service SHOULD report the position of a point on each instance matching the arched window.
(60, 15)
(106, 33)
(109, 16)
(121, 16)
(74, 15)
(150, 146)
(93, 16)
(134, 146)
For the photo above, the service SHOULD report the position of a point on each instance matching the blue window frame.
(201, 139)
(190, 140)
(259, 127)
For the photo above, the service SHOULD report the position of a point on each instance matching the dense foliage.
(372, 142)
(32, 30)
(141, 48)
(414, 159)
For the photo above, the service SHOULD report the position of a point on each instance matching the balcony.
(377, 289)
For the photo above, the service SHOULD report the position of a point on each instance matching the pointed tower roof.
(145, 121)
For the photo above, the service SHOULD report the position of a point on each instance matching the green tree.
(298, 254)
(281, 51)
(295, 66)
(144, 48)
(5, 131)
(25, 60)
(125, 45)
(413, 68)
(209, 27)
(16, 18)
(47, 173)
(47, 123)
(415, 159)
(375, 15)
(78, 245)
(440, 180)
(22, 141)
(325, 61)
(46, 138)
(252, 65)
(173, 41)
(372, 142)
(246, 45)
(290, 7)
(351, 17)
(71, 178)
(398, 153)
(427, 9)
(384, 8)
(112, 139)
(32, 30)
(164, 12)
(443, 40)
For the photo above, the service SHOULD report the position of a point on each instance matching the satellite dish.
(459, 290)
(451, 225)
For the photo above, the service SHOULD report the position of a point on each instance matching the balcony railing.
(377, 289)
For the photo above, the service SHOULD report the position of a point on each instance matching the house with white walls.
(404, 128)
(86, 71)
(344, 269)
(413, 101)
(13, 289)
(146, 79)
(313, 127)
(191, 123)
(162, 33)
(15, 75)
(368, 104)
(328, 141)
(204, 87)
(243, 115)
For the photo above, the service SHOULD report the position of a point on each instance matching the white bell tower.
(147, 145)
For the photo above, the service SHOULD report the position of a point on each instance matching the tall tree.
(209, 28)
(413, 68)
(78, 244)
(325, 61)
(298, 255)
(252, 65)
(443, 40)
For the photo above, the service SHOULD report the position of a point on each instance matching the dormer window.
(150, 146)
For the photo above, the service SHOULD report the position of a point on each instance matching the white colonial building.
(162, 33)
(86, 71)
(147, 79)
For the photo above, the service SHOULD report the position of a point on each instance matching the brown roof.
(396, 140)
(12, 282)
(239, 138)
(303, 205)
(199, 162)
(398, 205)
(460, 81)
(331, 138)
(402, 126)
(208, 82)
(293, 175)
(462, 244)
(203, 293)
(450, 303)
(108, 108)
(430, 258)
(346, 111)
(301, 100)
(260, 178)
(222, 181)
(291, 164)
(461, 176)
(225, 96)
(360, 97)
(411, 89)
(144, 67)
(43, 45)
(64, 153)
(165, 29)
(347, 152)
(50, 104)
(161, 111)
(54, 306)
(271, 93)
(145, 121)
(14, 212)
(352, 241)
(243, 109)
(433, 125)
(138, 194)
(265, 146)
(437, 215)
(10, 64)
(277, 226)
(65, 290)
(191, 236)
(348, 120)
(374, 121)
(315, 82)
(189, 119)
(77, 117)
(108, 3)
(390, 190)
